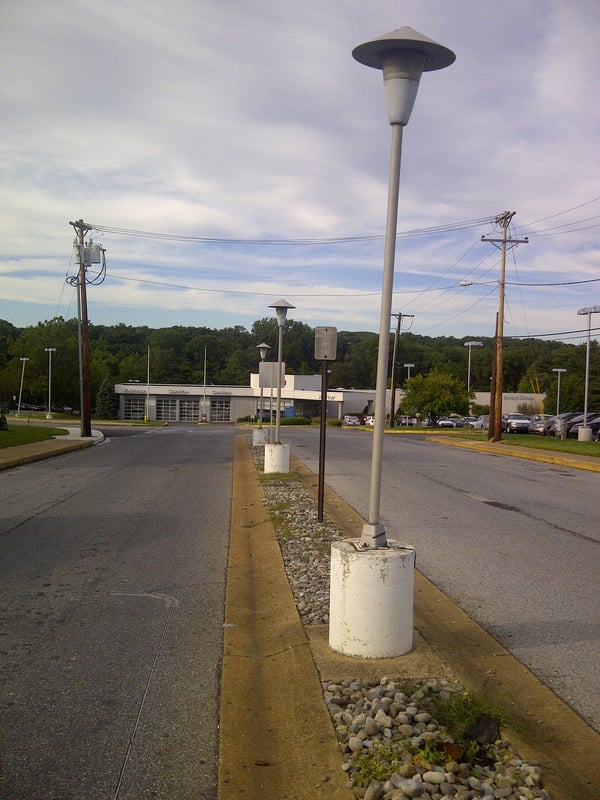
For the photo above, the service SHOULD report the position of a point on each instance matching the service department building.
(300, 397)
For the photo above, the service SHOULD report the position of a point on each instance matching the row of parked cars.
(541, 424)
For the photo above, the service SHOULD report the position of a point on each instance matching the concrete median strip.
(276, 739)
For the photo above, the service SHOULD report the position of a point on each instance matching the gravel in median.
(391, 744)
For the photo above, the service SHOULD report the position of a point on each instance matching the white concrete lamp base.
(584, 434)
(371, 599)
(277, 458)
(258, 437)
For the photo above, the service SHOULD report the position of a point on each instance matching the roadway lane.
(515, 543)
(112, 579)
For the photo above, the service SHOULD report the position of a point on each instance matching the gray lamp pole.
(558, 371)
(584, 433)
(263, 349)
(281, 308)
(23, 362)
(403, 55)
(49, 350)
(470, 345)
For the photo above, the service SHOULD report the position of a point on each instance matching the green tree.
(434, 396)
(106, 403)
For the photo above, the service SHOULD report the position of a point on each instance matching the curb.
(503, 449)
(39, 453)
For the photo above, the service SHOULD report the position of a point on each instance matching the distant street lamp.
(281, 308)
(409, 367)
(50, 350)
(584, 433)
(558, 371)
(23, 361)
(470, 345)
(372, 580)
(258, 436)
(277, 455)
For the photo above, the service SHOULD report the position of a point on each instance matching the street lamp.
(584, 434)
(258, 435)
(22, 360)
(403, 55)
(409, 367)
(277, 455)
(367, 616)
(470, 345)
(49, 350)
(558, 371)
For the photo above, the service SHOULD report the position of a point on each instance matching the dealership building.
(300, 397)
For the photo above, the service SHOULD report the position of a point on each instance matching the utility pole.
(504, 219)
(394, 356)
(85, 394)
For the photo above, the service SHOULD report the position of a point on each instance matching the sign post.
(325, 350)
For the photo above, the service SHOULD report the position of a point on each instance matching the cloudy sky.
(252, 151)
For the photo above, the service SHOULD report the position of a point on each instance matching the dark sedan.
(593, 422)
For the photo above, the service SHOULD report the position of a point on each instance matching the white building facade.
(300, 397)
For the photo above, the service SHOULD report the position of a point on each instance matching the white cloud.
(196, 119)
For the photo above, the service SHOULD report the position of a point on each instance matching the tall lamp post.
(23, 362)
(403, 55)
(258, 436)
(277, 455)
(366, 620)
(584, 433)
(470, 345)
(558, 371)
(49, 350)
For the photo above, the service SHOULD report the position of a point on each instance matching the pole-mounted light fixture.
(584, 433)
(281, 308)
(402, 55)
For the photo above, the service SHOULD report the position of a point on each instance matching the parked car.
(515, 423)
(350, 419)
(539, 424)
(370, 420)
(593, 422)
(451, 422)
(482, 423)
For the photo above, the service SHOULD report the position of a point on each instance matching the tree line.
(120, 353)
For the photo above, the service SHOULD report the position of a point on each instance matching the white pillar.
(371, 599)
(258, 437)
(277, 458)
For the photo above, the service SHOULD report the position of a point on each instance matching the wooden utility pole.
(504, 219)
(85, 394)
(394, 358)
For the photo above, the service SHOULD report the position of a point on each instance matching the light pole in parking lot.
(470, 345)
(49, 350)
(372, 616)
(584, 433)
(23, 361)
(558, 371)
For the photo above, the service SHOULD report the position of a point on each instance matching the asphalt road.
(112, 578)
(515, 543)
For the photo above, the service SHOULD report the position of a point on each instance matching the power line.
(303, 242)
